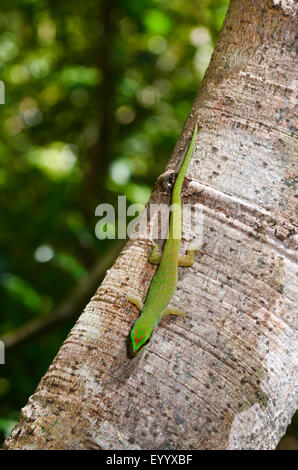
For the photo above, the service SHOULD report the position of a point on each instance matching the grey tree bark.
(224, 377)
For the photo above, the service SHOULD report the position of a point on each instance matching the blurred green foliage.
(96, 93)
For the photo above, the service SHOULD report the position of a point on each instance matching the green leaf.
(157, 22)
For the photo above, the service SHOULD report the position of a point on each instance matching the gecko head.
(140, 336)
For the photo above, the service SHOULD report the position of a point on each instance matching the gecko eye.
(148, 340)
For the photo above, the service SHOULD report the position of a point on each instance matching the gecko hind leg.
(173, 311)
(189, 258)
(136, 301)
(155, 255)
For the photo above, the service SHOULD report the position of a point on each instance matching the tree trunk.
(224, 375)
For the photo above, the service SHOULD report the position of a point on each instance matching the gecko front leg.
(136, 301)
(173, 311)
(154, 258)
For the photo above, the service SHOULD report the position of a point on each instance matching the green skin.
(165, 280)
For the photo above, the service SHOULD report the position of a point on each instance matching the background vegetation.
(96, 96)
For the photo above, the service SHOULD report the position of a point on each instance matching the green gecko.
(165, 280)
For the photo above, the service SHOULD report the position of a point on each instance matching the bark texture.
(224, 376)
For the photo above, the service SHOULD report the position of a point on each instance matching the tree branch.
(68, 310)
(100, 154)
